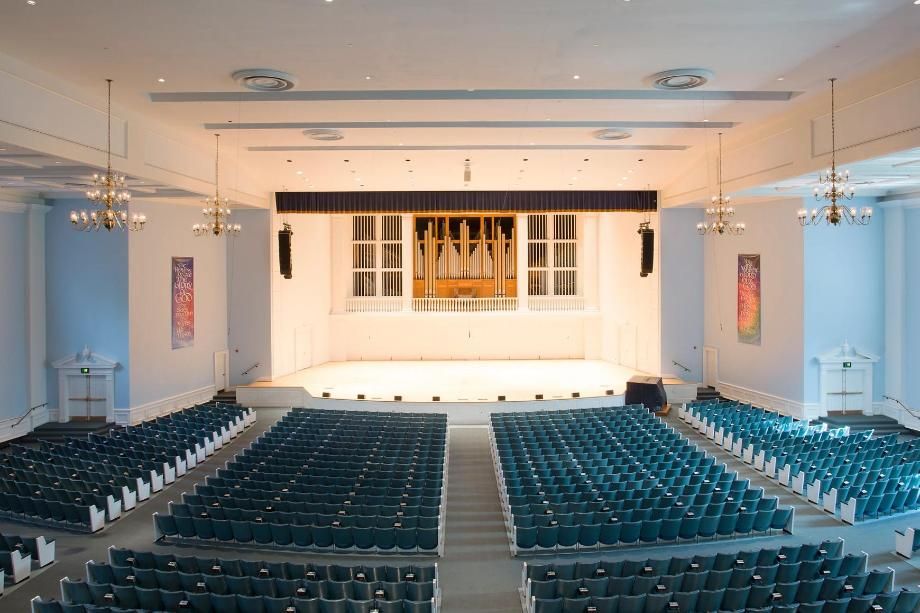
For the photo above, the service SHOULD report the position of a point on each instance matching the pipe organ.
(471, 256)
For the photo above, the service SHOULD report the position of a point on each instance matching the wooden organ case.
(464, 256)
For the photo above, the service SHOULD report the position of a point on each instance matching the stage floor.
(459, 381)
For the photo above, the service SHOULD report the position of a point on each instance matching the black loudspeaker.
(284, 251)
(648, 250)
(646, 390)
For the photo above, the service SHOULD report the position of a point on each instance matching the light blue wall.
(87, 295)
(844, 294)
(911, 372)
(249, 309)
(682, 287)
(14, 296)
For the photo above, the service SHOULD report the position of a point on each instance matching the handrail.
(904, 406)
(26, 414)
(676, 363)
(250, 369)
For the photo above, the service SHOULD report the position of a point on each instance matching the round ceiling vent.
(612, 134)
(264, 80)
(324, 134)
(680, 78)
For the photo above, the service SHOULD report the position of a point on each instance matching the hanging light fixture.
(835, 189)
(109, 193)
(721, 212)
(217, 209)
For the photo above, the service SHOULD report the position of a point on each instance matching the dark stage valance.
(465, 201)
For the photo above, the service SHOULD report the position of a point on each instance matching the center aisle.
(477, 571)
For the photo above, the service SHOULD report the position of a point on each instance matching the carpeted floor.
(477, 571)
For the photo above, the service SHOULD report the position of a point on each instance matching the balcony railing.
(555, 304)
(373, 305)
(463, 305)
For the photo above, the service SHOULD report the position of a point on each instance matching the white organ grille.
(376, 255)
(551, 254)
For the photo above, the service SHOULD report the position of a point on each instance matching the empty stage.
(468, 390)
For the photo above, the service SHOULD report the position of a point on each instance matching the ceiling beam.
(473, 94)
(270, 148)
(389, 125)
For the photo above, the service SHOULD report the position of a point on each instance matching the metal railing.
(373, 305)
(27, 413)
(679, 365)
(250, 369)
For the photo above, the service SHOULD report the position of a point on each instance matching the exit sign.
(848, 364)
(85, 371)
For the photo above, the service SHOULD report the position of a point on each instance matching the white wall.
(844, 294)
(630, 329)
(772, 373)
(159, 372)
(14, 298)
(682, 283)
(249, 279)
(301, 305)
(87, 296)
(911, 334)
(461, 336)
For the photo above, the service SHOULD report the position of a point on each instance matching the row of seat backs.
(282, 570)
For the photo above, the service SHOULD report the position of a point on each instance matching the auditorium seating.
(81, 484)
(907, 542)
(854, 476)
(19, 554)
(806, 578)
(597, 478)
(322, 480)
(133, 580)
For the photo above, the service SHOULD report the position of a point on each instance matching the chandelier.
(109, 193)
(835, 188)
(217, 209)
(721, 212)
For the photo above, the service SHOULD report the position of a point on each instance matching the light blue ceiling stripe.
(476, 94)
(375, 125)
(270, 148)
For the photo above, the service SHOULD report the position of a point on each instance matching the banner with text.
(749, 303)
(183, 302)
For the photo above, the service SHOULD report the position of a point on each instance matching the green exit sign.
(848, 364)
(85, 371)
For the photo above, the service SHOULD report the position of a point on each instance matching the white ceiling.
(459, 46)
(24, 170)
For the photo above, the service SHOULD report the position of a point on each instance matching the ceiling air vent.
(680, 78)
(612, 134)
(326, 134)
(264, 80)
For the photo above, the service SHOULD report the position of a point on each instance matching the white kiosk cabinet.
(846, 380)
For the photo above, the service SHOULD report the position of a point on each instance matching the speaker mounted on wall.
(647, 263)
(285, 234)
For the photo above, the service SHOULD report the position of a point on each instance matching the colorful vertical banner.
(183, 302)
(749, 303)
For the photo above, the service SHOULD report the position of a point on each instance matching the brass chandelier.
(109, 193)
(217, 209)
(721, 212)
(835, 189)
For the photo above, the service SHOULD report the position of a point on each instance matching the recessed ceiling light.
(31, 2)
(326, 134)
(780, 78)
(576, 76)
(300, 172)
(161, 80)
(705, 121)
(368, 77)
